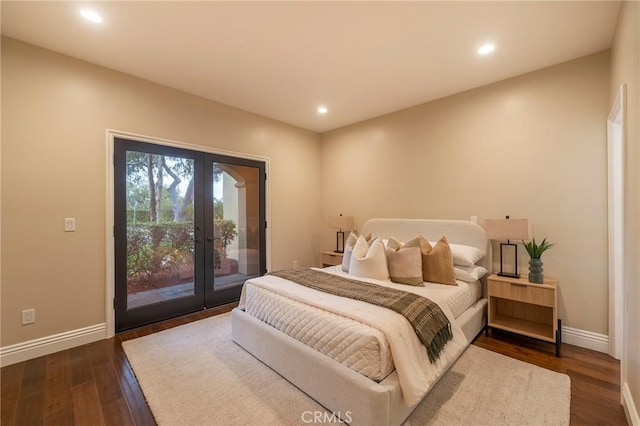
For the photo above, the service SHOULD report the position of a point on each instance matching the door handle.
(209, 239)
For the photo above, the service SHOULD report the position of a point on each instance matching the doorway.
(616, 169)
(189, 230)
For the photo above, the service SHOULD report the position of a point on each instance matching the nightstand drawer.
(522, 292)
(331, 258)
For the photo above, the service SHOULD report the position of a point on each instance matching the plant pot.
(535, 271)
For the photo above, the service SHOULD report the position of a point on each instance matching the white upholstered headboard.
(456, 231)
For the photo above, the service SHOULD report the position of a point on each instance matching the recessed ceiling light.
(486, 48)
(91, 15)
(322, 110)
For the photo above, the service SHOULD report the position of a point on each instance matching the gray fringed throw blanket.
(429, 322)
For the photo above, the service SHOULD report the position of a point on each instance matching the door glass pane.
(236, 224)
(160, 221)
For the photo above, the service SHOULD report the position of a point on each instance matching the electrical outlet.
(474, 219)
(69, 224)
(28, 316)
(295, 264)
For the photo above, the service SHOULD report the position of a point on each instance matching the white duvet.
(415, 373)
(355, 345)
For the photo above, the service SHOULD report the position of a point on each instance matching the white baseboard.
(629, 406)
(47, 345)
(58, 342)
(585, 339)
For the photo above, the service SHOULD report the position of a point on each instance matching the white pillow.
(465, 255)
(469, 274)
(348, 248)
(369, 261)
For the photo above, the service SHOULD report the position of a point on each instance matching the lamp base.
(515, 273)
(340, 241)
(508, 275)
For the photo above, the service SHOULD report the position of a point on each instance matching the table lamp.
(341, 223)
(507, 229)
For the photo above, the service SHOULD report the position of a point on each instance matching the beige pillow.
(437, 261)
(369, 261)
(405, 263)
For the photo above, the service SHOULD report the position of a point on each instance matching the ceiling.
(284, 59)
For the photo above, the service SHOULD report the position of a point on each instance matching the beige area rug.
(196, 375)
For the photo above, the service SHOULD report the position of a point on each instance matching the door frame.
(109, 207)
(616, 150)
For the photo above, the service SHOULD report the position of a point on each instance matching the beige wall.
(625, 68)
(533, 146)
(55, 113)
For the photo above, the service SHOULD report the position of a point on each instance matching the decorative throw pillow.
(437, 261)
(369, 261)
(421, 242)
(469, 274)
(392, 243)
(348, 248)
(405, 263)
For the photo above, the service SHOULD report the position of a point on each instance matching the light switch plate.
(69, 224)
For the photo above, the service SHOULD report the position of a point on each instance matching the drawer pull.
(518, 284)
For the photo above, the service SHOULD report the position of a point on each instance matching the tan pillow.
(405, 263)
(437, 261)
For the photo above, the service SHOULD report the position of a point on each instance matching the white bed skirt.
(348, 394)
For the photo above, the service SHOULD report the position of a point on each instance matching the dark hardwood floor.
(94, 384)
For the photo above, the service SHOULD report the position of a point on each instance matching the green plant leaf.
(534, 249)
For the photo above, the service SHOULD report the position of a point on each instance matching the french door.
(189, 230)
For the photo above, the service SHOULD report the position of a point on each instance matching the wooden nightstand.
(518, 306)
(331, 258)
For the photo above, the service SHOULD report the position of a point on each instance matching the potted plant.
(535, 264)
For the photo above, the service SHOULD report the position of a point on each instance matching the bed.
(364, 378)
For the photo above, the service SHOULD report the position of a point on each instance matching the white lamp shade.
(341, 222)
(507, 229)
